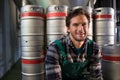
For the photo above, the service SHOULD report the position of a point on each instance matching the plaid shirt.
(53, 59)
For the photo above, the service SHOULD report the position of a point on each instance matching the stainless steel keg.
(104, 25)
(111, 62)
(56, 15)
(32, 42)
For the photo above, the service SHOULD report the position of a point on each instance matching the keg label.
(103, 16)
(111, 58)
(25, 14)
(25, 61)
(57, 14)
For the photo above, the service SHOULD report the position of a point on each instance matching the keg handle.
(34, 9)
(59, 8)
(108, 45)
(96, 11)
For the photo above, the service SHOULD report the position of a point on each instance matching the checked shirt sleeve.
(52, 67)
(95, 67)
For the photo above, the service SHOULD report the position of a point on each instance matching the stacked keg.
(32, 42)
(89, 10)
(111, 62)
(104, 25)
(55, 22)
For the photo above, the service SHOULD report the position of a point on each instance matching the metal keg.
(32, 27)
(32, 42)
(32, 46)
(111, 62)
(51, 38)
(31, 49)
(33, 77)
(55, 21)
(32, 20)
(104, 25)
(32, 69)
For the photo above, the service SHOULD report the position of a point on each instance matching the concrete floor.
(14, 73)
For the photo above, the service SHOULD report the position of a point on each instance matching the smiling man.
(74, 56)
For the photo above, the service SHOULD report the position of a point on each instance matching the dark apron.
(74, 71)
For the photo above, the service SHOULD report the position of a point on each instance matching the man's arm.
(95, 67)
(52, 67)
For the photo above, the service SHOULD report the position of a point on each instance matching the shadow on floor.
(14, 73)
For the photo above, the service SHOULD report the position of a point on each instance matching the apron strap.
(89, 48)
(59, 45)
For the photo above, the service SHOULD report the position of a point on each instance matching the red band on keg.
(103, 16)
(111, 58)
(57, 14)
(25, 61)
(25, 14)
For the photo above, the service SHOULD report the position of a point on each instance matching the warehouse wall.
(8, 36)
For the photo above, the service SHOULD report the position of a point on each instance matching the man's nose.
(80, 27)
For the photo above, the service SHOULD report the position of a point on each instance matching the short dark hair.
(75, 12)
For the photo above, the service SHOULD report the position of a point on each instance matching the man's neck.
(76, 43)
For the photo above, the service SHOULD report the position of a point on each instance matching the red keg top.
(56, 14)
(29, 14)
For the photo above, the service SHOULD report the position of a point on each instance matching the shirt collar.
(70, 43)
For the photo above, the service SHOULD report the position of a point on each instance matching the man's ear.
(68, 29)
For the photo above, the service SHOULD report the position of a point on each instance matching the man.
(74, 56)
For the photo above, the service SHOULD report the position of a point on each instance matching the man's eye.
(75, 24)
(84, 24)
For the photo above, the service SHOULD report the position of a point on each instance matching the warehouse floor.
(14, 73)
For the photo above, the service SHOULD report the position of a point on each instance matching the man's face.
(78, 28)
